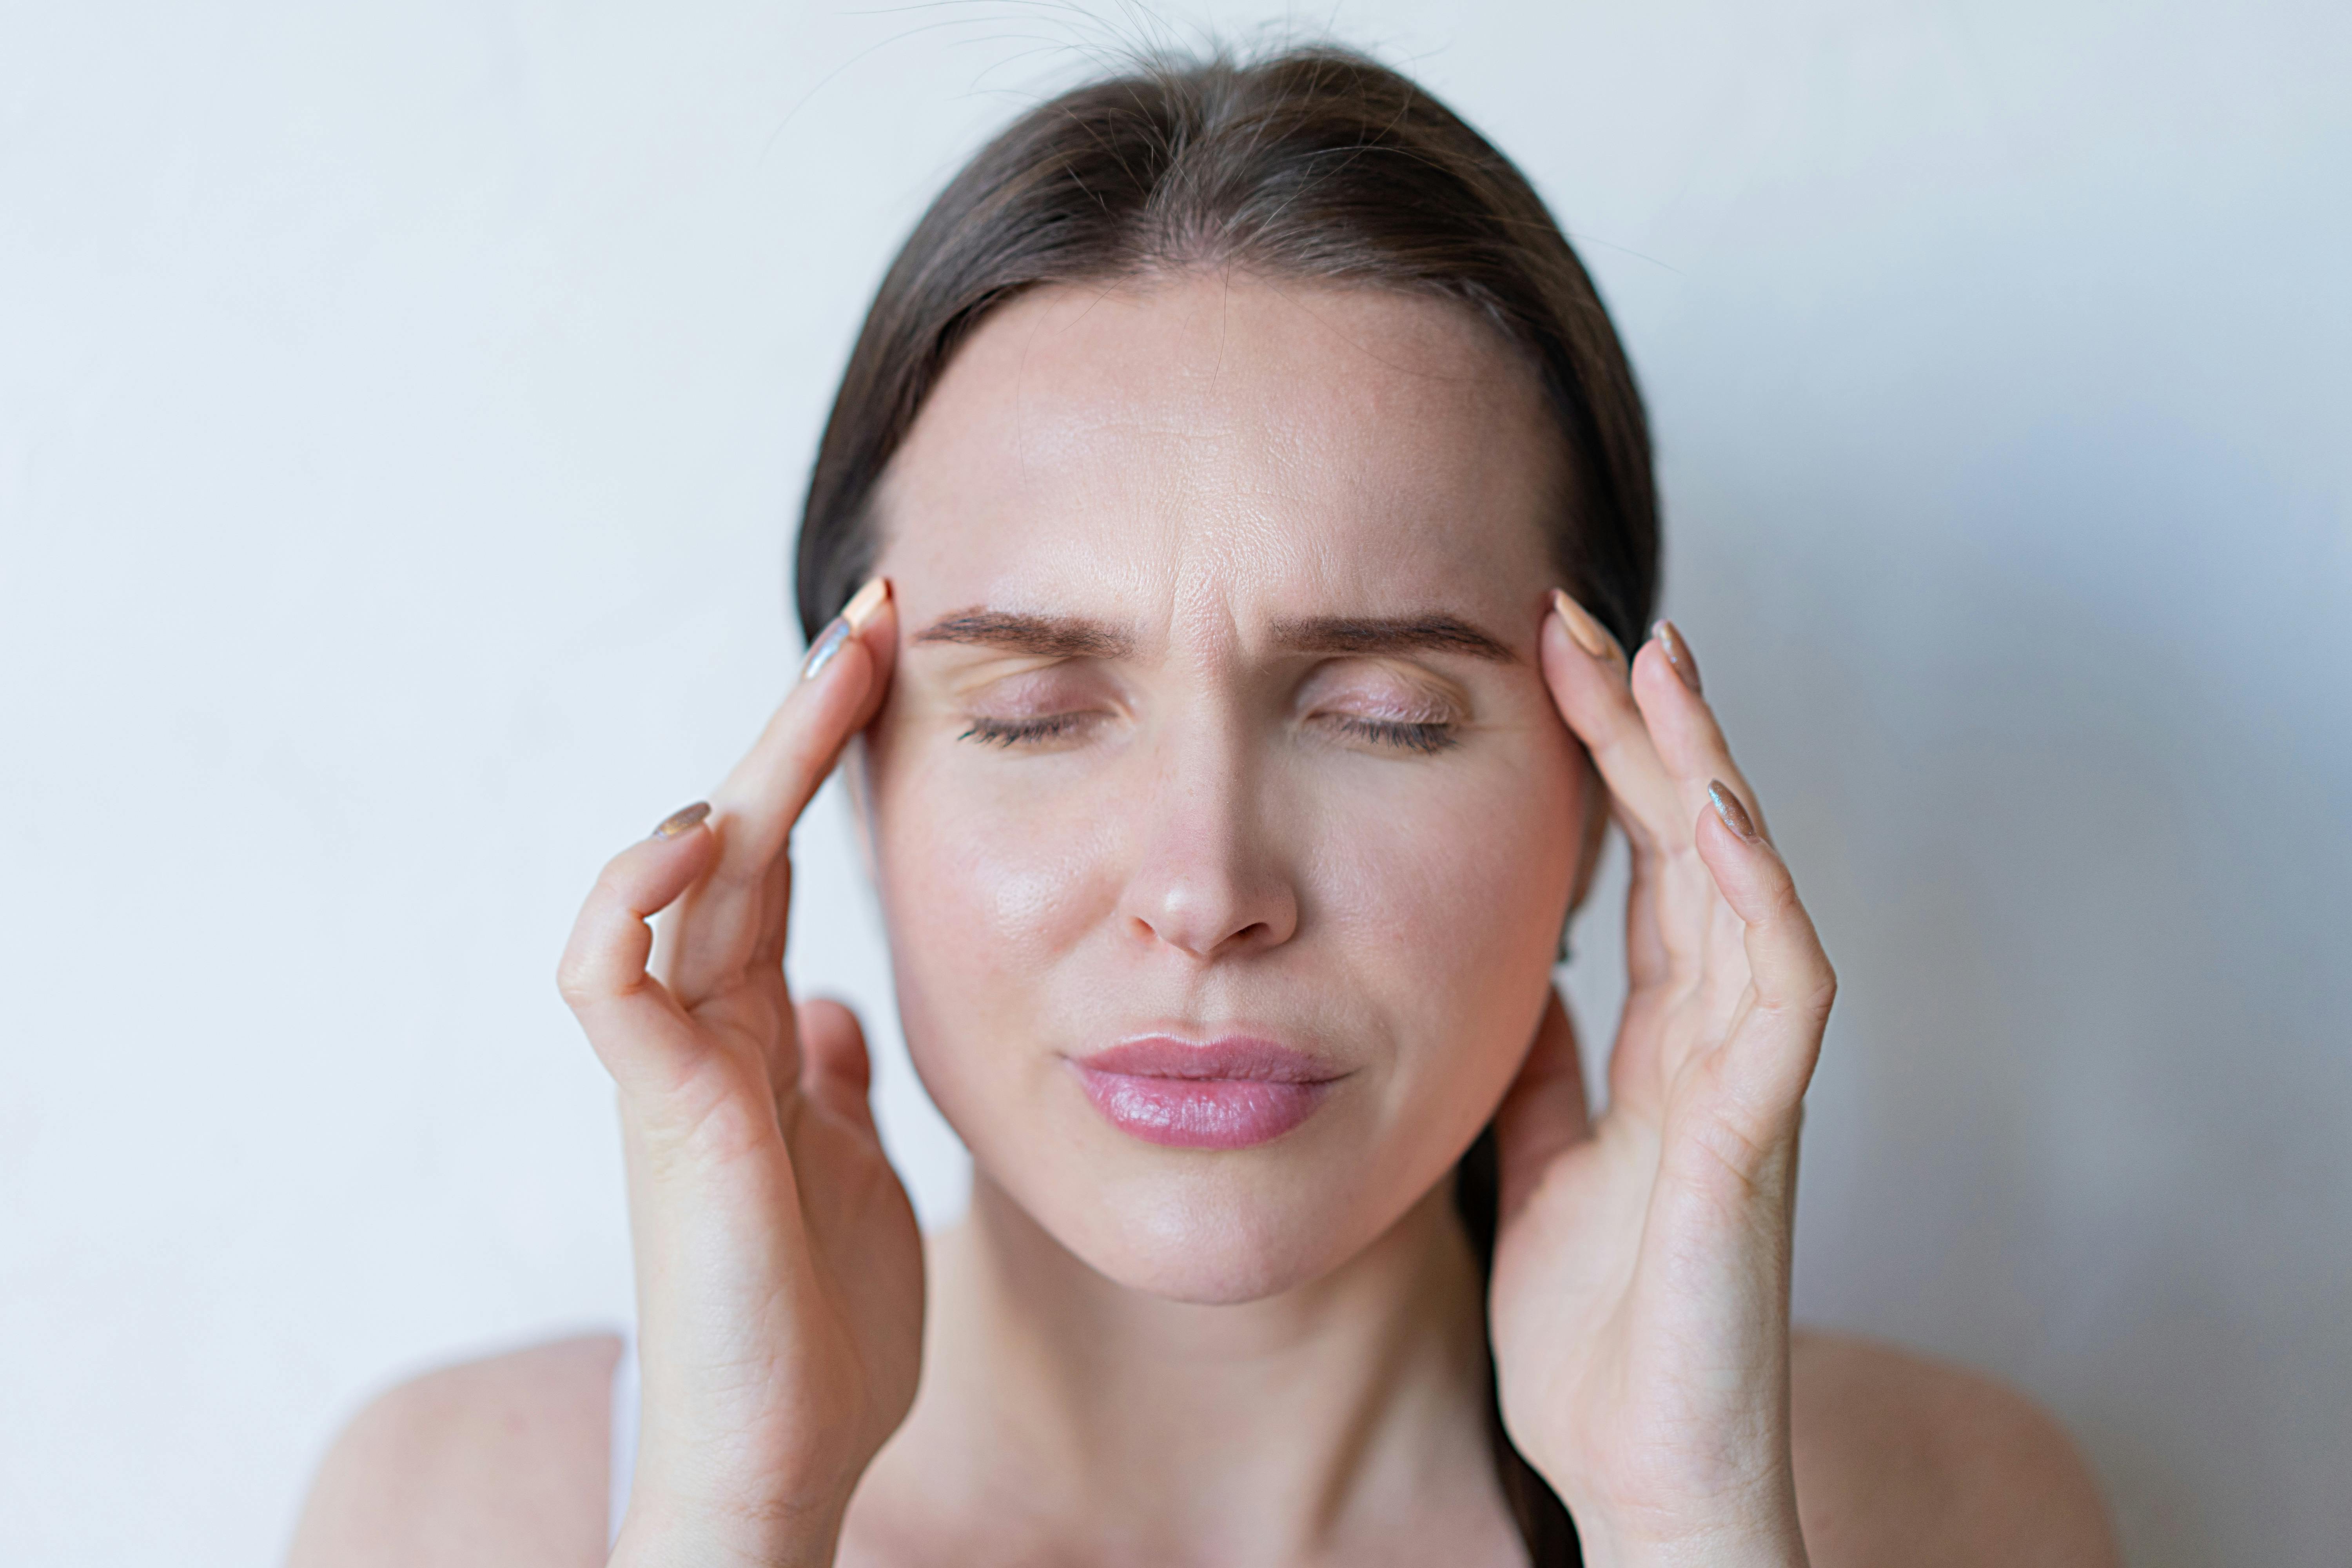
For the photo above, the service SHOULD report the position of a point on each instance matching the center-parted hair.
(1314, 164)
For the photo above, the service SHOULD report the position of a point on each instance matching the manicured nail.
(1726, 806)
(1589, 635)
(827, 644)
(683, 818)
(864, 602)
(1678, 652)
(845, 626)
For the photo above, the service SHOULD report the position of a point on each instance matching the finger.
(1544, 1110)
(1585, 670)
(1648, 958)
(1682, 723)
(836, 1073)
(733, 923)
(639, 1032)
(1773, 1047)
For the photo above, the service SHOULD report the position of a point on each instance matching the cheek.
(984, 886)
(1460, 879)
(1447, 905)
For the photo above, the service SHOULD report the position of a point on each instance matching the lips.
(1235, 1092)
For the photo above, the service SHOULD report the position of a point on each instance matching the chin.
(1213, 1229)
(1213, 1253)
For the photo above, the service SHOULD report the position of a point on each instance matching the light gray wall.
(401, 407)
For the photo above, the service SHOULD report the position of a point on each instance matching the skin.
(1219, 688)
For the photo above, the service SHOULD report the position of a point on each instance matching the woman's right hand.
(780, 1275)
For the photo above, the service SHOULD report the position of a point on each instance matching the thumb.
(835, 1071)
(1544, 1111)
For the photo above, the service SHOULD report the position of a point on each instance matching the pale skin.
(1218, 681)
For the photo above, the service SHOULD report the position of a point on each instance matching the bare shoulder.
(1904, 1460)
(500, 1461)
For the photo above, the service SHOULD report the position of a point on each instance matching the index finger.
(731, 923)
(1586, 671)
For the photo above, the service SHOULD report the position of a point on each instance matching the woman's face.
(1223, 825)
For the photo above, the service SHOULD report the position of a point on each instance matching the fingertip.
(875, 605)
(870, 619)
(1670, 642)
(1575, 675)
(878, 637)
(650, 874)
(684, 820)
(833, 1047)
(1553, 649)
(826, 1019)
(1586, 630)
(866, 603)
(1743, 863)
(1732, 811)
(1654, 676)
(865, 636)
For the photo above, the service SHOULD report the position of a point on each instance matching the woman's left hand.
(1640, 1298)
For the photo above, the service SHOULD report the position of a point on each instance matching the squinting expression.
(1223, 825)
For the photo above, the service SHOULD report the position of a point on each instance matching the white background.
(403, 409)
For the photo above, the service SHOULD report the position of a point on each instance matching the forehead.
(1237, 446)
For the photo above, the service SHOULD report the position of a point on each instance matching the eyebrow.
(1390, 634)
(1072, 637)
(1047, 636)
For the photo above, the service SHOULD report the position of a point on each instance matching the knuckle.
(613, 882)
(1811, 991)
(577, 984)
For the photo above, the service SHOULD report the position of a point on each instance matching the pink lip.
(1230, 1093)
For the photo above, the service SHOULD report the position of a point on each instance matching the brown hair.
(1313, 163)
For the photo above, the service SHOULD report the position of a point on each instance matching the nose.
(1210, 878)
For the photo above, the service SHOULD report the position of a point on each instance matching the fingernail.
(683, 818)
(1589, 635)
(845, 626)
(1678, 652)
(1726, 806)
(864, 602)
(827, 644)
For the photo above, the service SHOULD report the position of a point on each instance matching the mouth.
(1235, 1092)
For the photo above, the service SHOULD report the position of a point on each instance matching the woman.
(1220, 563)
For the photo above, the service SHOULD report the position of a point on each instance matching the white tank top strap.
(624, 1432)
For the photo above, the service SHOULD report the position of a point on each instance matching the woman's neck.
(1067, 1418)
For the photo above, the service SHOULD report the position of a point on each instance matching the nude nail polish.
(682, 819)
(1733, 815)
(1589, 635)
(864, 602)
(1678, 653)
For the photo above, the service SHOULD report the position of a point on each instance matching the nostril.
(1208, 891)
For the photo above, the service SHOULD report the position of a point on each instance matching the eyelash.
(1427, 738)
(1424, 738)
(1021, 731)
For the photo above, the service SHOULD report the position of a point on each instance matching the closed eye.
(1422, 737)
(1425, 737)
(1024, 731)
